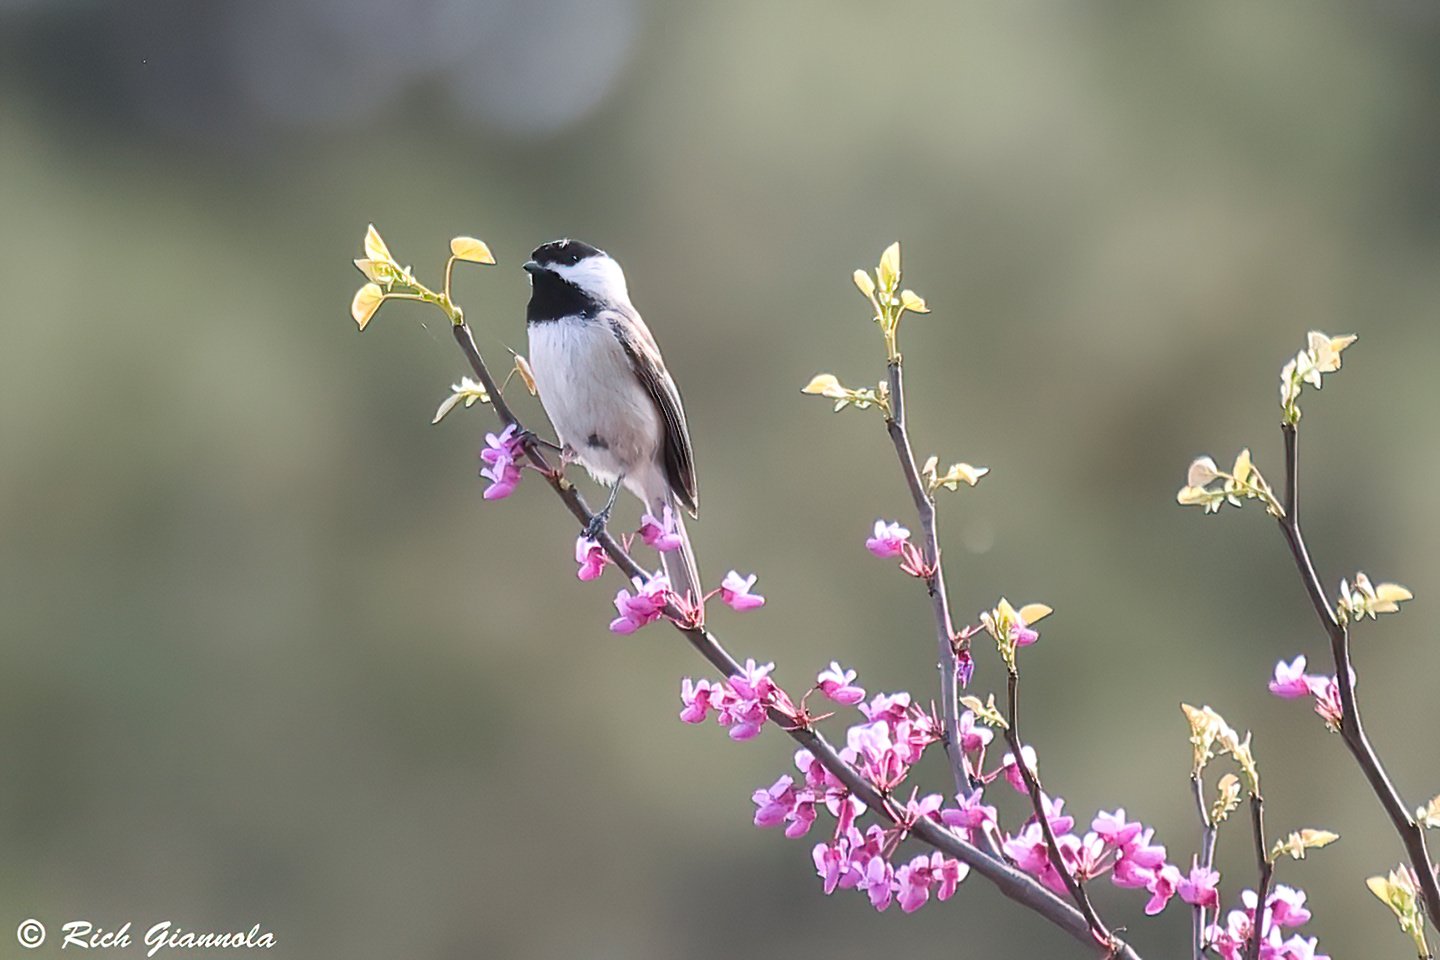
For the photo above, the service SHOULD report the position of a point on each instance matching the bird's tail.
(679, 564)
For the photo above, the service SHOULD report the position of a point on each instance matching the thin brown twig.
(1352, 730)
(1037, 802)
(948, 665)
(1266, 870)
(1207, 860)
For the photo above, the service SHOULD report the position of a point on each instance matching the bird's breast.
(592, 396)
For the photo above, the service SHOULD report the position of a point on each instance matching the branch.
(1032, 786)
(1352, 731)
(1207, 860)
(1013, 883)
(948, 664)
(1267, 869)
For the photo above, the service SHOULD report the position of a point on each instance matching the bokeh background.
(266, 656)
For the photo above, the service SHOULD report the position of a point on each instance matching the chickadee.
(605, 388)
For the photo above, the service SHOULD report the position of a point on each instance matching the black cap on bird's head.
(569, 277)
(561, 253)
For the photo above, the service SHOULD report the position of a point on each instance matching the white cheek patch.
(600, 277)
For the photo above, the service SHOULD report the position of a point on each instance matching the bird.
(604, 386)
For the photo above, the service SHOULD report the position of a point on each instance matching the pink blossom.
(875, 754)
(926, 808)
(1059, 822)
(735, 591)
(1150, 856)
(1290, 680)
(1298, 948)
(1199, 888)
(1138, 861)
(1327, 699)
(835, 684)
(1162, 888)
(1012, 769)
(774, 805)
(753, 682)
(1027, 848)
(877, 878)
(950, 872)
(746, 704)
(1115, 829)
(830, 864)
(912, 881)
(502, 454)
(646, 606)
(971, 815)
(1089, 856)
(802, 816)
(888, 541)
(888, 707)
(661, 534)
(973, 738)
(1129, 875)
(697, 699)
(591, 557)
(1287, 906)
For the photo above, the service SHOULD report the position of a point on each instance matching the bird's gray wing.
(645, 360)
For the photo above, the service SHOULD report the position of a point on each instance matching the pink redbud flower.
(660, 534)
(644, 607)
(1129, 875)
(1023, 635)
(1199, 888)
(753, 682)
(971, 815)
(1059, 822)
(835, 684)
(877, 879)
(830, 863)
(1287, 906)
(1298, 948)
(591, 557)
(1114, 829)
(735, 591)
(1162, 887)
(1012, 769)
(801, 817)
(1327, 699)
(973, 738)
(501, 453)
(1290, 681)
(744, 707)
(697, 699)
(914, 879)
(775, 804)
(1027, 849)
(887, 707)
(950, 872)
(926, 808)
(1089, 855)
(889, 540)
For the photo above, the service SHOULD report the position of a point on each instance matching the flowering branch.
(1335, 696)
(1042, 815)
(1351, 729)
(1266, 868)
(390, 281)
(953, 653)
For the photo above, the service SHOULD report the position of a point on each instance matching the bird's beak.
(530, 267)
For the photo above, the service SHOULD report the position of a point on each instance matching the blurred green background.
(266, 656)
